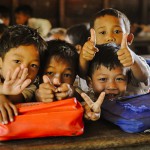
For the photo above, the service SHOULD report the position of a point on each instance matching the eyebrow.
(105, 26)
(23, 57)
(65, 68)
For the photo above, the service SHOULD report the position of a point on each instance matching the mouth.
(111, 96)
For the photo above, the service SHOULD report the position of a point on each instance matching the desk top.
(97, 135)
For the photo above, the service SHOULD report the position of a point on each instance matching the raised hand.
(125, 55)
(92, 109)
(46, 90)
(16, 82)
(89, 49)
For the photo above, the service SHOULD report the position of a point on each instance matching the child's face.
(60, 70)
(109, 29)
(27, 56)
(21, 18)
(112, 82)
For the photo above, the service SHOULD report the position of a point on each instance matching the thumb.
(93, 36)
(124, 43)
(46, 79)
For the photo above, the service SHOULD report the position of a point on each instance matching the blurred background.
(65, 13)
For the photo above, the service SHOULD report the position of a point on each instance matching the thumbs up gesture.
(92, 110)
(89, 49)
(125, 55)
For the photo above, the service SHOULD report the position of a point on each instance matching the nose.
(111, 86)
(110, 38)
(56, 81)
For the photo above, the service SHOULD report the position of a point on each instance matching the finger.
(14, 109)
(1, 118)
(25, 84)
(95, 116)
(7, 76)
(93, 36)
(87, 99)
(46, 79)
(124, 43)
(46, 100)
(15, 74)
(10, 113)
(24, 74)
(97, 105)
(4, 115)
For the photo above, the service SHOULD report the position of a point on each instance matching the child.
(111, 25)
(59, 72)
(78, 35)
(107, 74)
(21, 51)
(23, 15)
(56, 33)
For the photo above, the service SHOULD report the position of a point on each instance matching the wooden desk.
(97, 135)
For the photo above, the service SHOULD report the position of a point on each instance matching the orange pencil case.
(38, 119)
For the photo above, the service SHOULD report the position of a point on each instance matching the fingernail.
(5, 122)
(11, 120)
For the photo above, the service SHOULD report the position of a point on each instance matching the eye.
(34, 66)
(67, 75)
(102, 32)
(49, 73)
(17, 61)
(103, 79)
(117, 31)
(120, 79)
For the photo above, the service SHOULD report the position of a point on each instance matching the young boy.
(23, 15)
(107, 74)
(21, 52)
(59, 72)
(110, 25)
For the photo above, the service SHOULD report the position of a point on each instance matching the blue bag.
(131, 114)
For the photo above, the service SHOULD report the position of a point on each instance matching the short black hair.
(111, 12)
(25, 9)
(4, 12)
(63, 50)
(106, 56)
(21, 35)
(78, 33)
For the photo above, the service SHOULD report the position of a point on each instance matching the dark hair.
(18, 35)
(26, 9)
(62, 50)
(78, 33)
(3, 27)
(106, 56)
(111, 12)
(4, 12)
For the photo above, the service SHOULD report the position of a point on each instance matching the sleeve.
(29, 92)
(147, 82)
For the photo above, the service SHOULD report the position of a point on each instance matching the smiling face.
(109, 29)
(28, 56)
(113, 82)
(60, 70)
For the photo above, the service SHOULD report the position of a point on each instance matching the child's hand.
(89, 49)
(7, 110)
(14, 84)
(46, 90)
(125, 55)
(92, 110)
(64, 91)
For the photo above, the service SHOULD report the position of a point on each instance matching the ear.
(130, 38)
(89, 81)
(79, 48)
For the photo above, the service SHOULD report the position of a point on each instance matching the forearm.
(16, 98)
(140, 69)
(83, 67)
